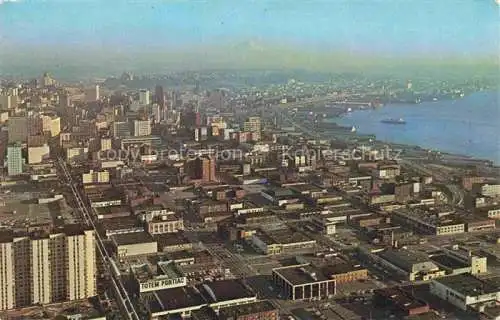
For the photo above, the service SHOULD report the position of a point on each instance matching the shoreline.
(447, 155)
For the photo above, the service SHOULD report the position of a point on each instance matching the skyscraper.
(159, 96)
(93, 94)
(18, 129)
(157, 113)
(47, 81)
(51, 124)
(252, 124)
(202, 168)
(8, 101)
(14, 160)
(176, 101)
(64, 100)
(97, 92)
(142, 128)
(144, 97)
(121, 129)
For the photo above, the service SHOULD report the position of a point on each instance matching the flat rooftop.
(180, 255)
(449, 261)
(113, 210)
(8, 235)
(19, 213)
(119, 223)
(132, 238)
(171, 239)
(283, 236)
(340, 268)
(468, 285)
(169, 269)
(432, 216)
(404, 259)
(279, 192)
(258, 200)
(173, 299)
(401, 298)
(299, 275)
(306, 188)
(247, 309)
(287, 236)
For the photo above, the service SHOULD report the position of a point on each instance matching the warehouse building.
(183, 301)
(134, 244)
(410, 264)
(260, 310)
(465, 290)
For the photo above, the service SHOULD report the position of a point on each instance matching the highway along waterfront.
(467, 126)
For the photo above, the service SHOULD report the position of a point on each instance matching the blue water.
(468, 126)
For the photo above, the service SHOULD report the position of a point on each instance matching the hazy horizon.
(109, 36)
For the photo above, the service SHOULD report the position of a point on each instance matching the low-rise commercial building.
(476, 264)
(167, 223)
(474, 223)
(260, 310)
(134, 244)
(454, 265)
(435, 221)
(411, 265)
(402, 302)
(279, 241)
(492, 212)
(303, 282)
(185, 300)
(345, 272)
(37, 154)
(465, 290)
(173, 242)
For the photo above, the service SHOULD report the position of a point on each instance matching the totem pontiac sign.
(159, 284)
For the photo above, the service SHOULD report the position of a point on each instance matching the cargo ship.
(394, 121)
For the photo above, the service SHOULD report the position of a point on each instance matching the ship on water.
(394, 121)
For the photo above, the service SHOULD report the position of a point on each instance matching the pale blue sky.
(369, 28)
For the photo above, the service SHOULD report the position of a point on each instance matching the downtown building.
(47, 268)
(14, 160)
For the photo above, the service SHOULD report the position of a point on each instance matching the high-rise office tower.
(97, 93)
(18, 129)
(142, 128)
(46, 268)
(51, 124)
(144, 97)
(157, 113)
(8, 101)
(35, 125)
(176, 100)
(64, 100)
(121, 129)
(202, 168)
(47, 81)
(93, 94)
(252, 124)
(14, 160)
(106, 144)
(159, 96)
